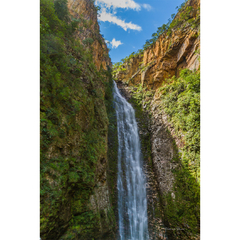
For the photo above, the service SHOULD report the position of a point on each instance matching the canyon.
(79, 129)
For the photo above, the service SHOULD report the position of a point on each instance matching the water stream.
(131, 182)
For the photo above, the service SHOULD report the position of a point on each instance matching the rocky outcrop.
(89, 29)
(166, 57)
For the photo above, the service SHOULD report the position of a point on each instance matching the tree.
(173, 15)
(61, 9)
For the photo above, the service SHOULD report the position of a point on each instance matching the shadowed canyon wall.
(76, 99)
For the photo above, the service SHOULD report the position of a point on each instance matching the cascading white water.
(131, 182)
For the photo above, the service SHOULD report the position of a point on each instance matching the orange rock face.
(83, 10)
(166, 57)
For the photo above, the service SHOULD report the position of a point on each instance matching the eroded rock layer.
(166, 57)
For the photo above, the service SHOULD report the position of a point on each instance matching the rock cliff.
(169, 54)
(176, 161)
(75, 98)
(89, 29)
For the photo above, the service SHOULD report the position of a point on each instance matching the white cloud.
(120, 4)
(115, 43)
(108, 17)
(147, 6)
(107, 42)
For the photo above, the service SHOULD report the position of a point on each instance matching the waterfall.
(131, 182)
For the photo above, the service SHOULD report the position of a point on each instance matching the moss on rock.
(74, 132)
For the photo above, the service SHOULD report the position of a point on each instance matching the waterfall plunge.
(131, 182)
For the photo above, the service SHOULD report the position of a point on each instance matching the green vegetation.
(142, 96)
(73, 129)
(119, 66)
(181, 101)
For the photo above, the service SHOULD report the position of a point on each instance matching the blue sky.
(127, 24)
